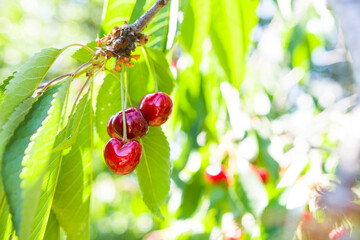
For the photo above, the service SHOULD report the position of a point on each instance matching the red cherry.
(215, 174)
(110, 129)
(337, 233)
(122, 158)
(306, 216)
(262, 173)
(234, 234)
(156, 108)
(136, 125)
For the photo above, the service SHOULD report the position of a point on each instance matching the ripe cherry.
(156, 108)
(110, 129)
(136, 125)
(122, 158)
(234, 234)
(215, 174)
(306, 216)
(338, 233)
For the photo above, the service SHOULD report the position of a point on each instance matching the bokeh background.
(280, 95)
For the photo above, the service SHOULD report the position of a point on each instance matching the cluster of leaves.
(46, 160)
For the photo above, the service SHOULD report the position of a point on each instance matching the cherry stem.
(77, 97)
(91, 75)
(123, 99)
(73, 75)
(126, 82)
(117, 77)
(125, 85)
(80, 45)
(65, 107)
(45, 86)
(150, 67)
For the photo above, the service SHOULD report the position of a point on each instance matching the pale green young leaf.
(154, 169)
(115, 12)
(26, 80)
(108, 103)
(231, 22)
(36, 160)
(15, 152)
(52, 229)
(71, 203)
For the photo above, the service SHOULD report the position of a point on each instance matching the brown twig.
(53, 80)
(46, 85)
(141, 23)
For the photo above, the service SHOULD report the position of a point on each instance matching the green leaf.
(158, 64)
(195, 27)
(158, 28)
(26, 80)
(5, 218)
(83, 55)
(138, 10)
(5, 83)
(252, 192)
(52, 173)
(15, 182)
(154, 169)
(9, 128)
(52, 229)
(13, 122)
(107, 104)
(3, 86)
(115, 13)
(72, 197)
(46, 195)
(70, 138)
(266, 158)
(36, 160)
(192, 193)
(274, 218)
(231, 22)
(138, 81)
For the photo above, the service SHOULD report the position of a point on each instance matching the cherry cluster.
(122, 155)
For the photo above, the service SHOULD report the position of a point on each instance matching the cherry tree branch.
(141, 23)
